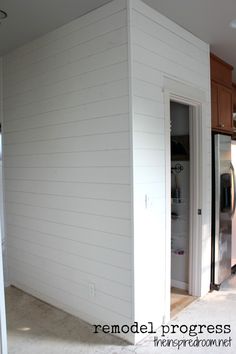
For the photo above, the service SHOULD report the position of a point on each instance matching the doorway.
(200, 191)
(181, 184)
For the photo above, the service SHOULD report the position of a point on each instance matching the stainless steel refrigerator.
(223, 208)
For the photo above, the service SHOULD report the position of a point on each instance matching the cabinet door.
(225, 108)
(234, 98)
(214, 106)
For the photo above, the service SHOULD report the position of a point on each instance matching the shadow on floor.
(30, 320)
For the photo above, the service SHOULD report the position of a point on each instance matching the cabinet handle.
(222, 125)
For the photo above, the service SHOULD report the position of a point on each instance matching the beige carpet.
(37, 328)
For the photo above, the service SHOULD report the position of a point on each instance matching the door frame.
(182, 93)
(3, 325)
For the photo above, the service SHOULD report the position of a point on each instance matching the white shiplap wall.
(159, 49)
(67, 167)
(2, 226)
(83, 145)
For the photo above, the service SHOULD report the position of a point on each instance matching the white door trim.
(195, 98)
(3, 327)
(195, 244)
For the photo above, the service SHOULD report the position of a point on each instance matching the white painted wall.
(233, 261)
(179, 115)
(3, 236)
(160, 49)
(67, 167)
(3, 333)
(81, 107)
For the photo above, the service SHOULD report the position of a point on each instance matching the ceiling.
(207, 19)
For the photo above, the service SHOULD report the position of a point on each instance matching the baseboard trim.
(179, 284)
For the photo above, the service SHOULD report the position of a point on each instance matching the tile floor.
(35, 327)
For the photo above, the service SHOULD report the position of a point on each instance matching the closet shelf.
(179, 218)
(178, 254)
(179, 201)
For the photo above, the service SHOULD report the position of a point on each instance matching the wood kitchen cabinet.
(234, 111)
(221, 106)
(234, 98)
(221, 96)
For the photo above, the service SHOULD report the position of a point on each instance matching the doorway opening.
(199, 181)
(181, 198)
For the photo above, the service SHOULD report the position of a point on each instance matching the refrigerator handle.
(234, 188)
